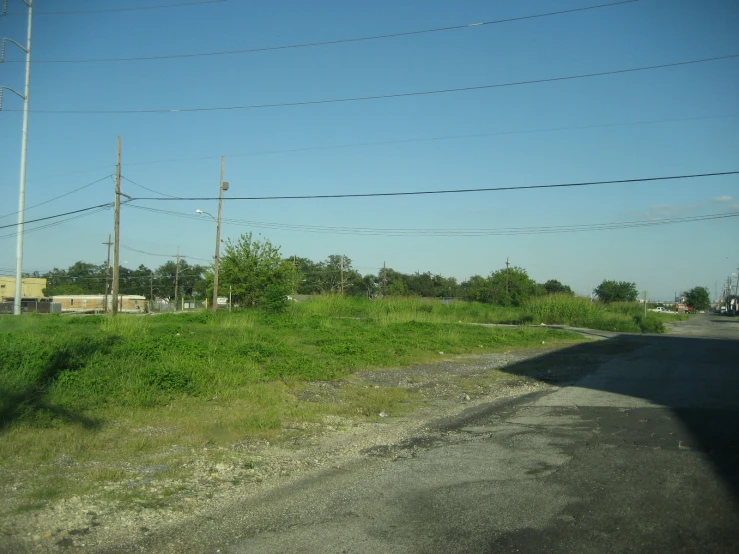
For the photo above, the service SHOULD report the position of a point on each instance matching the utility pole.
(117, 230)
(24, 148)
(341, 283)
(151, 289)
(384, 279)
(107, 275)
(221, 187)
(177, 279)
(506, 275)
(645, 303)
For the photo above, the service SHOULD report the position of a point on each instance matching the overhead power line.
(108, 205)
(163, 255)
(448, 191)
(58, 197)
(91, 211)
(395, 95)
(146, 188)
(429, 232)
(421, 139)
(325, 42)
(130, 9)
(378, 143)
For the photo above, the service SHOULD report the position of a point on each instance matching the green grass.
(625, 317)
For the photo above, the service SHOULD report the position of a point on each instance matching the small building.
(31, 287)
(91, 303)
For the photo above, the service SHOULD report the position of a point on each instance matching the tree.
(698, 297)
(555, 287)
(505, 287)
(254, 269)
(616, 291)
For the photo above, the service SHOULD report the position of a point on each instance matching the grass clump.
(626, 317)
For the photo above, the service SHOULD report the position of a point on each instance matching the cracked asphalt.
(639, 455)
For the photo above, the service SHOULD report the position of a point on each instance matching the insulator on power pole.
(2, 52)
(5, 7)
(1, 99)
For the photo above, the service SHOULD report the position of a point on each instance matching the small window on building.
(71, 301)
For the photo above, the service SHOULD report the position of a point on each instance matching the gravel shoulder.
(117, 515)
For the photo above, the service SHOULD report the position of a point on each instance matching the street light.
(223, 186)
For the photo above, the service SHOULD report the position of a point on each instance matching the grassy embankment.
(103, 392)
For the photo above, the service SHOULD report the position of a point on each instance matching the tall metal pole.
(22, 187)
(116, 230)
(217, 264)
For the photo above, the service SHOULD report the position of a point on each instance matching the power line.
(386, 143)
(146, 188)
(54, 224)
(456, 232)
(163, 255)
(423, 139)
(58, 197)
(329, 42)
(394, 95)
(449, 191)
(132, 9)
(108, 205)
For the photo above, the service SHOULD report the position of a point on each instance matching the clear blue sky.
(67, 151)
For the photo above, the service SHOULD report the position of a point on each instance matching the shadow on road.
(697, 379)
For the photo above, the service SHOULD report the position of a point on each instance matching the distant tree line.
(257, 273)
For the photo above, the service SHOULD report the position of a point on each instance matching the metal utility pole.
(221, 187)
(117, 230)
(107, 275)
(177, 279)
(24, 148)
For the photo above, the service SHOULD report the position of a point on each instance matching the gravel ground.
(219, 476)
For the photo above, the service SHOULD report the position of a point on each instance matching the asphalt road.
(640, 455)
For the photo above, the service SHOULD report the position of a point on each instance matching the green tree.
(698, 297)
(555, 287)
(253, 269)
(616, 291)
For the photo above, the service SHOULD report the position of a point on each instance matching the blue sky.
(671, 121)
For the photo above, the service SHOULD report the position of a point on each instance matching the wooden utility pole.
(216, 266)
(177, 279)
(151, 289)
(341, 283)
(506, 275)
(107, 275)
(384, 279)
(116, 230)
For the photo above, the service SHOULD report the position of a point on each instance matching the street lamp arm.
(201, 212)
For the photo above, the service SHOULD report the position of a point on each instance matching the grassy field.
(102, 392)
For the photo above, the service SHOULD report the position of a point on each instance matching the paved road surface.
(640, 455)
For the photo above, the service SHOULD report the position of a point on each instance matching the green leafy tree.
(698, 297)
(253, 268)
(79, 278)
(555, 287)
(616, 291)
(505, 287)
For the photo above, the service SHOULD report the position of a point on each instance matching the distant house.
(91, 303)
(31, 287)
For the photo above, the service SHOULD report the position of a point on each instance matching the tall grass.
(581, 312)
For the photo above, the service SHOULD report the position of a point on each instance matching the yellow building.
(32, 287)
